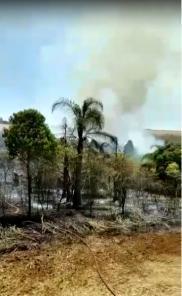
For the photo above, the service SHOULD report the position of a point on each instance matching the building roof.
(166, 135)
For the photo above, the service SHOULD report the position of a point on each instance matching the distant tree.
(27, 139)
(166, 160)
(6, 166)
(129, 149)
(45, 175)
(95, 178)
(89, 121)
(123, 169)
(6, 173)
(174, 176)
(65, 142)
(163, 156)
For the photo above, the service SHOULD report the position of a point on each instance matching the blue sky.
(39, 54)
(27, 77)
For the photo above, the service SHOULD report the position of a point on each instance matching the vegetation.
(29, 139)
(88, 122)
(82, 167)
(70, 183)
(123, 170)
(165, 162)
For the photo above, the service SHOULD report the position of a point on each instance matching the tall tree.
(89, 122)
(29, 138)
(123, 169)
(66, 176)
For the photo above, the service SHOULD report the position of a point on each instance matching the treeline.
(84, 163)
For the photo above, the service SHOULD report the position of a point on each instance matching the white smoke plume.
(128, 55)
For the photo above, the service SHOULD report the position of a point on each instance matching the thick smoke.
(126, 56)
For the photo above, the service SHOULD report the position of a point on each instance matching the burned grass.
(140, 264)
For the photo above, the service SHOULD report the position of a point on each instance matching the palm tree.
(66, 177)
(88, 122)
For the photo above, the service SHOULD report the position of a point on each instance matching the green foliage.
(29, 140)
(88, 121)
(45, 173)
(165, 162)
(68, 149)
(28, 137)
(123, 168)
(173, 170)
(163, 156)
(95, 174)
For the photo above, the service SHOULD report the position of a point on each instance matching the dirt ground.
(132, 265)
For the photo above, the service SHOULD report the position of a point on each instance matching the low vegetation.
(82, 186)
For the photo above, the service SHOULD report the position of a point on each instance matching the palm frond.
(96, 145)
(107, 136)
(91, 103)
(103, 147)
(62, 102)
(94, 119)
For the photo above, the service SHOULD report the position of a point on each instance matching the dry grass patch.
(143, 264)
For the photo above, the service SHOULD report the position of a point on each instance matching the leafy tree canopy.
(28, 137)
(164, 158)
(173, 170)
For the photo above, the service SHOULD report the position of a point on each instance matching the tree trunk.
(115, 195)
(4, 193)
(123, 196)
(78, 171)
(123, 207)
(66, 180)
(29, 185)
(77, 189)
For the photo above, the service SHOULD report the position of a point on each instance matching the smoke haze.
(126, 55)
(129, 56)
